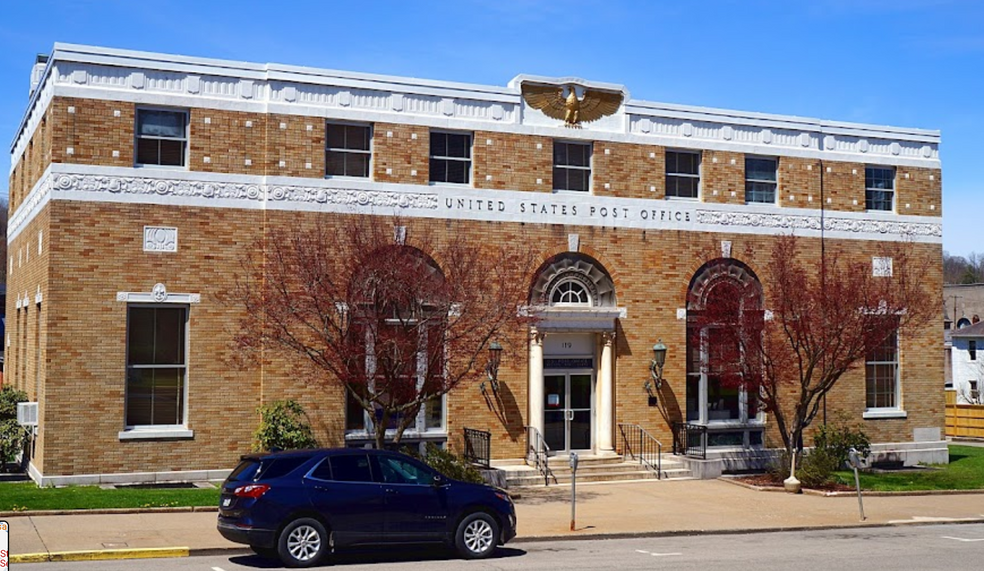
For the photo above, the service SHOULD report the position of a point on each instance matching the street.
(924, 547)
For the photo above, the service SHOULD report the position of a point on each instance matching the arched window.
(573, 280)
(724, 306)
(570, 292)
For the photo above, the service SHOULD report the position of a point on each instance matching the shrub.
(12, 435)
(448, 463)
(832, 445)
(838, 441)
(12, 438)
(282, 426)
(9, 397)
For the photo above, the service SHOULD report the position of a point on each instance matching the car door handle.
(390, 491)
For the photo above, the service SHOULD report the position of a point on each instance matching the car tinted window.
(281, 467)
(398, 471)
(245, 471)
(323, 471)
(351, 468)
(267, 468)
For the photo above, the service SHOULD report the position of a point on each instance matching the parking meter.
(573, 462)
(852, 458)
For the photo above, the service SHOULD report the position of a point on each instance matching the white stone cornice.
(211, 190)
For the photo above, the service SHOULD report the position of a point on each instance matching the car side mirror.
(438, 481)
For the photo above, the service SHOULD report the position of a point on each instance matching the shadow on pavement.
(400, 554)
(539, 496)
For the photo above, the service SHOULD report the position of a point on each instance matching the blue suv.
(298, 506)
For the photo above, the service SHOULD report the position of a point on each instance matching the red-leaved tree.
(818, 318)
(396, 318)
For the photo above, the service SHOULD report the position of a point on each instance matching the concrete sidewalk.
(604, 509)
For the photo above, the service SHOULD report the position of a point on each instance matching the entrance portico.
(572, 359)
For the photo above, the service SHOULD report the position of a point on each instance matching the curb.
(109, 511)
(747, 531)
(172, 552)
(854, 493)
(101, 555)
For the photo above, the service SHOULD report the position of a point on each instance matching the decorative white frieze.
(114, 184)
(158, 294)
(160, 239)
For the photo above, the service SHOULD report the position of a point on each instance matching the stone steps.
(590, 469)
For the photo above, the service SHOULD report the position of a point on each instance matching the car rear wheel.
(477, 536)
(302, 543)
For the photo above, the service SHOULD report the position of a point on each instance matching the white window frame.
(186, 139)
(470, 160)
(895, 411)
(368, 152)
(150, 431)
(419, 428)
(774, 182)
(589, 168)
(699, 176)
(893, 191)
(570, 280)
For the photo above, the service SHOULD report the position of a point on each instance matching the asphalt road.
(924, 547)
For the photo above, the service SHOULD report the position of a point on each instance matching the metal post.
(853, 459)
(573, 488)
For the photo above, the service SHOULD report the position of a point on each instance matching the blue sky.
(910, 63)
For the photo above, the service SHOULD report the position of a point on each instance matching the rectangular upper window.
(682, 174)
(156, 365)
(972, 349)
(572, 166)
(347, 150)
(760, 180)
(879, 188)
(450, 157)
(162, 137)
(882, 374)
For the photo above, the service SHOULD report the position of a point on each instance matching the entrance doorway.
(567, 411)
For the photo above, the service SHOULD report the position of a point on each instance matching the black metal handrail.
(539, 452)
(690, 440)
(642, 446)
(478, 446)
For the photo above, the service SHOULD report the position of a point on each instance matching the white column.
(535, 392)
(606, 412)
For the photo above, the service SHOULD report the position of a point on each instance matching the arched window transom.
(570, 292)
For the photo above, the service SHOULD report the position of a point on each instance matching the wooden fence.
(963, 420)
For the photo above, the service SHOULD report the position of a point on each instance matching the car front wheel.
(303, 543)
(477, 536)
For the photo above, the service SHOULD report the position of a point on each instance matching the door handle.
(390, 491)
(570, 415)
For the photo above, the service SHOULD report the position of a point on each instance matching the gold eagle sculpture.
(573, 111)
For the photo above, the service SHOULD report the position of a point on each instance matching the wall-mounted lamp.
(492, 367)
(656, 368)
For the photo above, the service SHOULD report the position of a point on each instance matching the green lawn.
(964, 472)
(22, 496)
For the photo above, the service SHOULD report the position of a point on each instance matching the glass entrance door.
(567, 411)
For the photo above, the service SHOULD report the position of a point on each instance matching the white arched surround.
(573, 298)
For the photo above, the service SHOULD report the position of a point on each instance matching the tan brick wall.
(401, 150)
(918, 191)
(724, 173)
(651, 271)
(799, 182)
(513, 161)
(632, 171)
(83, 265)
(25, 360)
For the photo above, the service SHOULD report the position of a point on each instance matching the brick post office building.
(138, 179)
